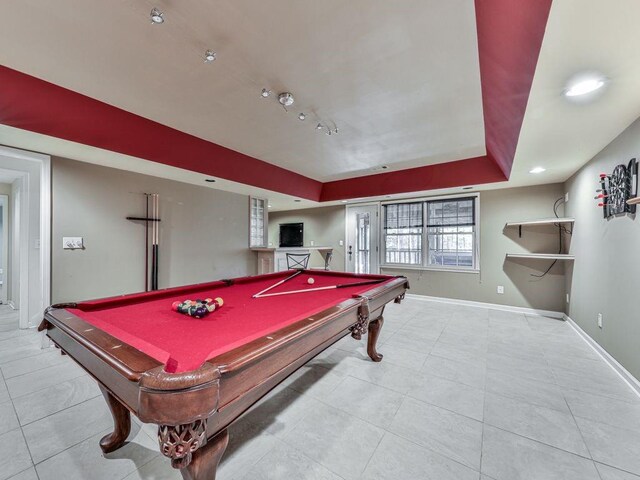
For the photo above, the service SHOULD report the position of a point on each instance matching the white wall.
(204, 232)
(521, 288)
(324, 226)
(497, 207)
(605, 273)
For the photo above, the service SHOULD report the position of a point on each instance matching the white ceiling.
(558, 134)
(399, 79)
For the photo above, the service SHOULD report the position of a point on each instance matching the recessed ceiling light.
(584, 86)
(157, 17)
(319, 126)
(209, 56)
(302, 116)
(269, 206)
(210, 180)
(537, 170)
(344, 201)
(265, 93)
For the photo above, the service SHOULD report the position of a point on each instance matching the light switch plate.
(72, 243)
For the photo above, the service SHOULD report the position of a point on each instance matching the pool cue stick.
(331, 287)
(154, 240)
(146, 245)
(279, 283)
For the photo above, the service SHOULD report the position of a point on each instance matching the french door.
(362, 239)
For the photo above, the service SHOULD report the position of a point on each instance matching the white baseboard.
(622, 372)
(493, 306)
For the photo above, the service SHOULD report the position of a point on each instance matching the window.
(451, 235)
(434, 233)
(257, 222)
(403, 233)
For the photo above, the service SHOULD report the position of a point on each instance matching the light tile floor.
(462, 393)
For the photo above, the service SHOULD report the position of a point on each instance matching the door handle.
(350, 251)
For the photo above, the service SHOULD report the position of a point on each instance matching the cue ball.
(310, 281)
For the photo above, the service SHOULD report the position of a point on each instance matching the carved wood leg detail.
(121, 423)
(205, 460)
(374, 331)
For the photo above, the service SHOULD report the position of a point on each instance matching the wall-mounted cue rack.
(151, 219)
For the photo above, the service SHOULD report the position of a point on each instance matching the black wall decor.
(618, 187)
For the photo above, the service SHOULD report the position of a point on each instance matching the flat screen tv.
(291, 234)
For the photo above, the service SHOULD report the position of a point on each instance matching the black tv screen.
(291, 234)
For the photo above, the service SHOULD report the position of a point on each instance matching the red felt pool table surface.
(146, 321)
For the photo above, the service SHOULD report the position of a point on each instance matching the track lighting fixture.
(286, 99)
(157, 17)
(209, 56)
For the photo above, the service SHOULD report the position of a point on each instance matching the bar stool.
(298, 260)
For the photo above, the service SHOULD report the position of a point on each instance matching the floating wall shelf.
(542, 256)
(540, 222)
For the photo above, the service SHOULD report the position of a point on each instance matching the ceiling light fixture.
(285, 99)
(537, 170)
(157, 17)
(344, 201)
(584, 86)
(209, 56)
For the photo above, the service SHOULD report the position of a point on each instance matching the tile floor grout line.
(57, 411)
(82, 373)
(540, 442)
(597, 462)
(484, 406)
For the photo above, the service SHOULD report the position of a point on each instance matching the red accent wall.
(32, 104)
(510, 36)
(472, 171)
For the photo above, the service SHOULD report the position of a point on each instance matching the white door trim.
(4, 258)
(45, 232)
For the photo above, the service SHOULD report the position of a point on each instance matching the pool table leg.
(121, 423)
(374, 332)
(205, 460)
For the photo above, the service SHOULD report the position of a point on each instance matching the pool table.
(194, 377)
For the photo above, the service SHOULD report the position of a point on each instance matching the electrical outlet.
(566, 197)
(567, 298)
(500, 289)
(600, 320)
(72, 243)
(312, 243)
(341, 243)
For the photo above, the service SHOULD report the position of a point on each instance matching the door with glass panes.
(361, 249)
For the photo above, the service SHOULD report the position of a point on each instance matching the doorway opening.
(25, 239)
